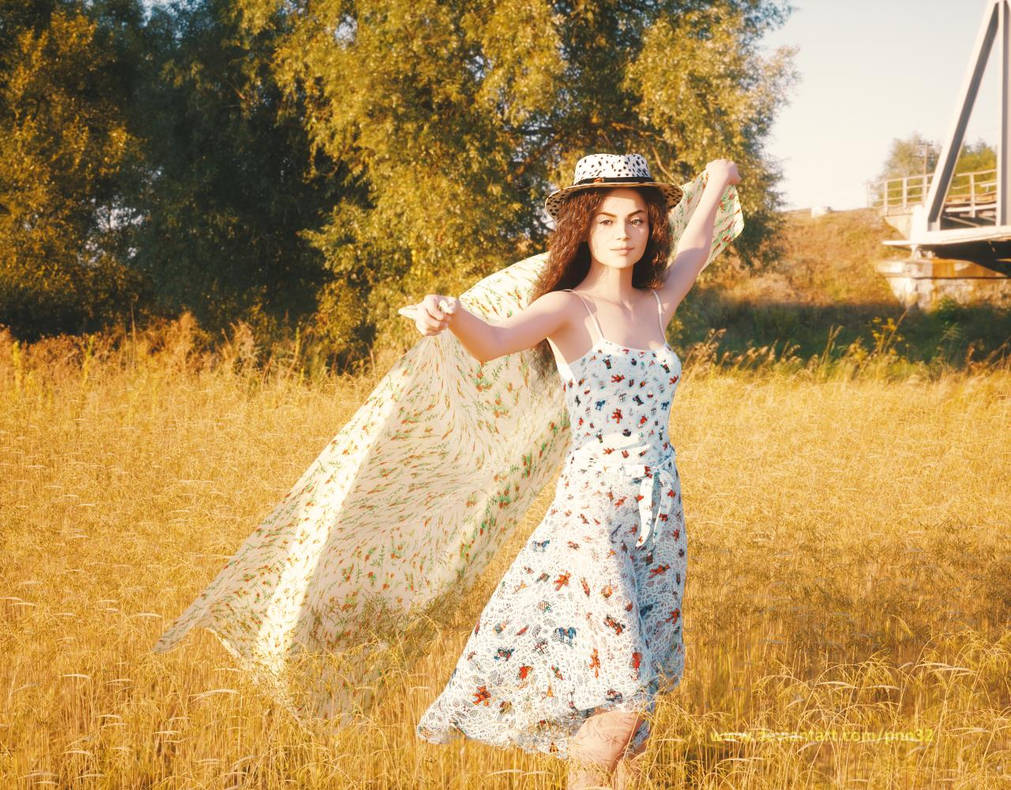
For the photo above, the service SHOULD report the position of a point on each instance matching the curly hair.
(569, 253)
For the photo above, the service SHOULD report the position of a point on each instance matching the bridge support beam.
(995, 21)
(923, 282)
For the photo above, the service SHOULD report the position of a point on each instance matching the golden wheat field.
(846, 611)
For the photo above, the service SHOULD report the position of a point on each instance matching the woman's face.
(619, 229)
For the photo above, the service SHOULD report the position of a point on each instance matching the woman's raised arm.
(695, 244)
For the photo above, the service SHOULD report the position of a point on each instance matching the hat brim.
(554, 201)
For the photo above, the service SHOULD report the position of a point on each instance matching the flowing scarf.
(401, 511)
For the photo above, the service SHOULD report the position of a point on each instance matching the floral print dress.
(417, 491)
(588, 616)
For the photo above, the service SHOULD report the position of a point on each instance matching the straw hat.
(619, 170)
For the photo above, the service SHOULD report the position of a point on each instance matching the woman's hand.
(723, 170)
(435, 313)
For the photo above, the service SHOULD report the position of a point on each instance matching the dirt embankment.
(827, 259)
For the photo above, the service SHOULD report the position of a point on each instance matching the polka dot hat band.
(597, 170)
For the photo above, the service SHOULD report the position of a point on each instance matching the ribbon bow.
(663, 472)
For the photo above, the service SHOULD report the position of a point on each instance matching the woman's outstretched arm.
(485, 341)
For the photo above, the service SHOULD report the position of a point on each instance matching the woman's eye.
(608, 221)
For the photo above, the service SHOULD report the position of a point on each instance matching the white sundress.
(350, 573)
(589, 613)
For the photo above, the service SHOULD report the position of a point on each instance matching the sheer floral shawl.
(400, 511)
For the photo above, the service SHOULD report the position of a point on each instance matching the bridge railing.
(970, 189)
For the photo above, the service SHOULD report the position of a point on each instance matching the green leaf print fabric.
(401, 510)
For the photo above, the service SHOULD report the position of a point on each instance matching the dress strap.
(659, 313)
(596, 323)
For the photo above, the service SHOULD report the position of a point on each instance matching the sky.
(871, 72)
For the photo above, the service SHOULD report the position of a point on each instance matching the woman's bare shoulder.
(564, 304)
(551, 301)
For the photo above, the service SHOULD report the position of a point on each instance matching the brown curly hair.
(569, 253)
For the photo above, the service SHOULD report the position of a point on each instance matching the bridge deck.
(955, 236)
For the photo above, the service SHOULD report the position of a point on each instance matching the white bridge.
(958, 227)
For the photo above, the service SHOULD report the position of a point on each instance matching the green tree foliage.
(455, 118)
(268, 161)
(975, 157)
(912, 156)
(916, 154)
(227, 183)
(64, 141)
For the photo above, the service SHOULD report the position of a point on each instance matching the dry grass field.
(846, 612)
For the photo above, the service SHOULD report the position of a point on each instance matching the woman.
(585, 626)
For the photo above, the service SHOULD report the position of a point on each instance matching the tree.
(454, 119)
(976, 157)
(64, 141)
(225, 185)
(910, 157)
(916, 155)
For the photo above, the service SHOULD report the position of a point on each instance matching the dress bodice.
(619, 398)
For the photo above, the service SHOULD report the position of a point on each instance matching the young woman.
(584, 629)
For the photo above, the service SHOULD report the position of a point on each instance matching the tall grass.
(846, 613)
